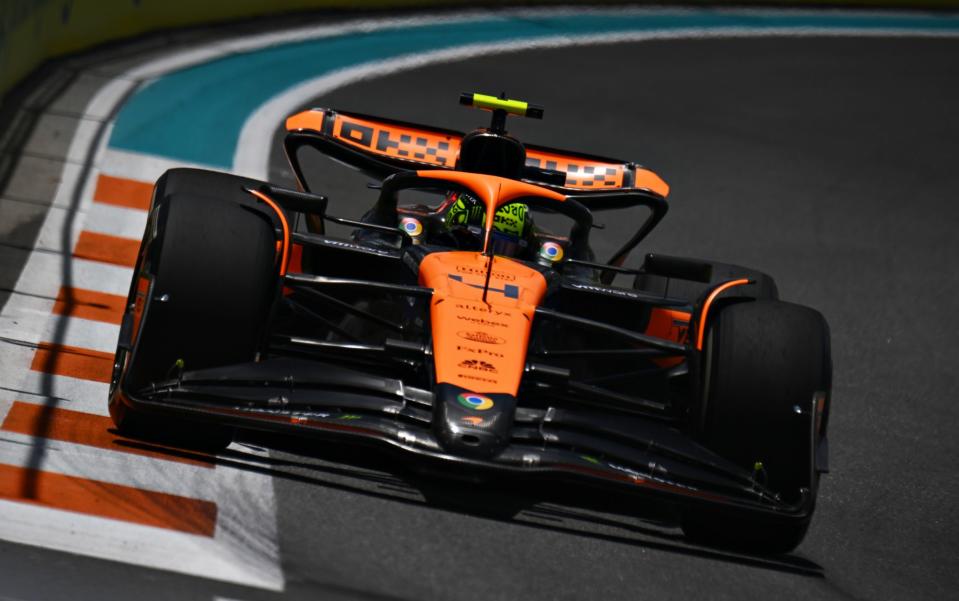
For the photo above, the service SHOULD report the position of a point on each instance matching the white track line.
(73, 393)
(127, 469)
(223, 557)
(137, 166)
(36, 327)
(96, 217)
(44, 271)
(116, 221)
(243, 550)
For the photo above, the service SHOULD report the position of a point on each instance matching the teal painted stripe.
(196, 114)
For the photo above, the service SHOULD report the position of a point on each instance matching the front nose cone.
(470, 423)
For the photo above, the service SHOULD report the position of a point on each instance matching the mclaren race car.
(447, 325)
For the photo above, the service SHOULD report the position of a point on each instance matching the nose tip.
(470, 423)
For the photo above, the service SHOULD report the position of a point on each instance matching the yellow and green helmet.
(513, 219)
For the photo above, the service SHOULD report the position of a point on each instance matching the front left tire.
(769, 364)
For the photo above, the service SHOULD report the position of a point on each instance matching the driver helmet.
(512, 223)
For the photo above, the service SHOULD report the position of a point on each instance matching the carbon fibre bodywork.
(460, 358)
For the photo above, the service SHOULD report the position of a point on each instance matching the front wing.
(304, 397)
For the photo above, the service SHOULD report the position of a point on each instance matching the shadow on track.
(577, 511)
(53, 358)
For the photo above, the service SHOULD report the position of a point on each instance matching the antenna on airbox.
(501, 107)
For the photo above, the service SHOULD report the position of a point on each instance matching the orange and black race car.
(449, 326)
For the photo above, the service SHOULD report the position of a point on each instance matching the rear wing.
(381, 147)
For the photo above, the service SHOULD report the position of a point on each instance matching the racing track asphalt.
(825, 162)
(829, 163)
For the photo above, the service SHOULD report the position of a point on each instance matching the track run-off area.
(817, 146)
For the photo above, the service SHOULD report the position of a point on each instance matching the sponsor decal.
(474, 401)
(551, 251)
(636, 476)
(479, 351)
(482, 322)
(286, 413)
(489, 309)
(411, 226)
(473, 420)
(481, 337)
(602, 290)
(478, 364)
(496, 275)
(639, 478)
(476, 378)
(370, 250)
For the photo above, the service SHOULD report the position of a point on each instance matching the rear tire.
(767, 362)
(212, 264)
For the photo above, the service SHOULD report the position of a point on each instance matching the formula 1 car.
(450, 327)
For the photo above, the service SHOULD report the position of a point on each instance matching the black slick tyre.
(211, 264)
(767, 363)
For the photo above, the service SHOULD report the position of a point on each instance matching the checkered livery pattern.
(397, 141)
(579, 174)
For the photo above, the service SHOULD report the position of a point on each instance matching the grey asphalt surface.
(829, 163)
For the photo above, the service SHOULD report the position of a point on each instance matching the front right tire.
(210, 253)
